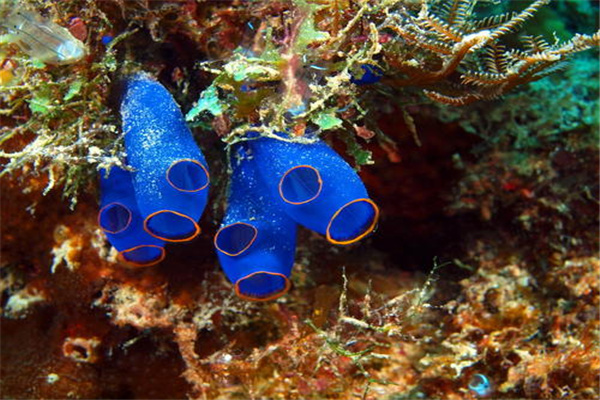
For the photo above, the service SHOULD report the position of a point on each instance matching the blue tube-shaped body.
(171, 176)
(121, 221)
(317, 188)
(257, 239)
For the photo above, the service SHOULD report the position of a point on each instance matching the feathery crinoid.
(458, 58)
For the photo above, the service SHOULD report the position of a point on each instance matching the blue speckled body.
(371, 74)
(117, 188)
(340, 184)
(156, 137)
(274, 246)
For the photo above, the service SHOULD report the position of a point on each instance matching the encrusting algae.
(473, 126)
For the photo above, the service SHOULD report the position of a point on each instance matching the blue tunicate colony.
(276, 184)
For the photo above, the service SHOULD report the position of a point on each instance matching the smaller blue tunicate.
(121, 221)
(106, 39)
(372, 74)
(249, 86)
(480, 384)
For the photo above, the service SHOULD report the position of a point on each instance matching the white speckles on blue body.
(155, 137)
(275, 244)
(341, 184)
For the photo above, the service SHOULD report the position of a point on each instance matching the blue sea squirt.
(316, 188)
(257, 240)
(121, 221)
(171, 177)
(276, 184)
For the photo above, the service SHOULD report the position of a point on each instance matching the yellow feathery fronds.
(444, 38)
(517, 21)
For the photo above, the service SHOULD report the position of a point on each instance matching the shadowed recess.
(262, 286)
(114, 218)
(187, 176)
(171, 226)
(352, 222)
(236, 238)
(300, 185)
(143, 256)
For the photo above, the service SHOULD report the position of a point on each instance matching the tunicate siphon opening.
(114, 218)
(262, 286)
(187, 176)
(353, 221)
(171, 226)
(143, 256)
(236, 238)
(300, 185)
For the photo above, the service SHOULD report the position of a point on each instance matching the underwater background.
(300, 199)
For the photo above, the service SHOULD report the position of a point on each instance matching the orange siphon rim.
(288, 285)
(245, 248)
(362, 235)
(121, 258)
(109, 205)
(195, 162)
(185, 239)
(305, 201)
